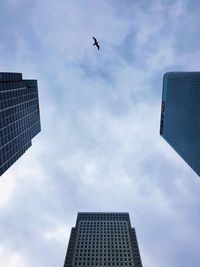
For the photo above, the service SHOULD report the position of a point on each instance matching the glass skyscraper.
(180, 115)
(103, 239)
(19, 117)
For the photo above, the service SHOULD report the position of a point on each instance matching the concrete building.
(103, 239)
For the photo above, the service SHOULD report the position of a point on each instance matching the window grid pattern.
(19, 117)
(103, 239)
(180, 123)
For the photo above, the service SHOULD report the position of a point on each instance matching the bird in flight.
(96, 43)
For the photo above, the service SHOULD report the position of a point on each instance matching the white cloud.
(58, 234)
(11, 258)
(99, 148)
(7, 188)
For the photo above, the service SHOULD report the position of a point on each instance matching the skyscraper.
(180, 115)
(19, 117)
(103, 239)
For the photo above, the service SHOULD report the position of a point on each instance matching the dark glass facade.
(180, 115)
(103, 239)
(19, 117)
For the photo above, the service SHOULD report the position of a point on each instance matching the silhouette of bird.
(96, 43)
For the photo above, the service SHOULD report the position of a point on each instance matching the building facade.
(103, 239)
(180, 115)
(19, 117)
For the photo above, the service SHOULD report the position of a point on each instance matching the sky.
(99, 148)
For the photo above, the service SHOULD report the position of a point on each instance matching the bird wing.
(98, 46)
(94, 39)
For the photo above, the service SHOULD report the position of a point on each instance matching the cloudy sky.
(99, 148)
